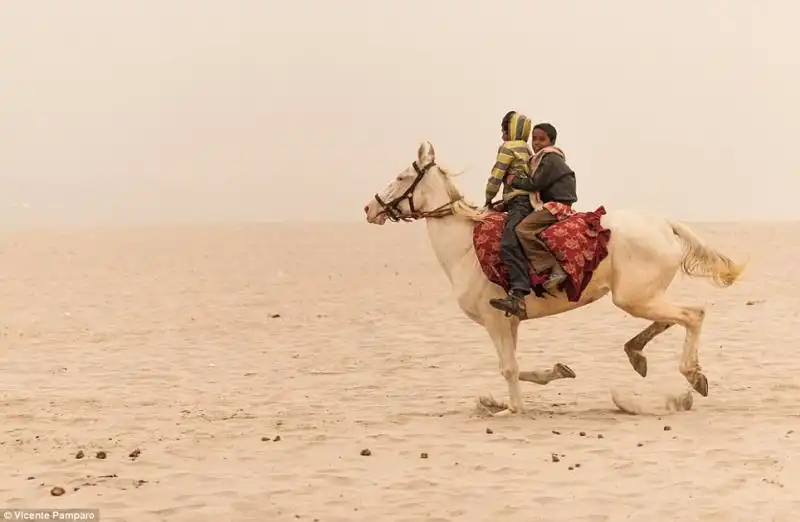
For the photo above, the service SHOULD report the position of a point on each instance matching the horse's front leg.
(543, 377)
(502, 333)
(558, 371)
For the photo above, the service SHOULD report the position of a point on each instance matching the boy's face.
(539, 140)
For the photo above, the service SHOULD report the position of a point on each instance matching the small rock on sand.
(101, 455)
(57, 491)
(366, 452)
(79, 455)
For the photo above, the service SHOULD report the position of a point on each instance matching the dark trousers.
(534, 248)
(511, 252)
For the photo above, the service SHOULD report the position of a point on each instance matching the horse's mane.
(461, 208)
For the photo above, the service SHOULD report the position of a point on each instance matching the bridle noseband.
(392, 210)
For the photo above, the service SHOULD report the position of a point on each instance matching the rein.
(393, 212)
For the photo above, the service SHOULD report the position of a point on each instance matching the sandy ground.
(250, 366)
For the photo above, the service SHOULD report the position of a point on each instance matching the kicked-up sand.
(323, 372)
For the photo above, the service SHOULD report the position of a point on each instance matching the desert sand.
(251, 365)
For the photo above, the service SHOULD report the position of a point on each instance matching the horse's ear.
(426, 154)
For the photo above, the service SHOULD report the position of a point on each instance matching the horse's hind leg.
(635, 346)
(643, 267)
(658, 310)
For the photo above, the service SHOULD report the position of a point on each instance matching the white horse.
(644, 255)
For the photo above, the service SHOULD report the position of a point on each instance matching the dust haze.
(208, 111)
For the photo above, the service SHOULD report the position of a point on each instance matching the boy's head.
(544, 135)
(515, 126)
(504, 124)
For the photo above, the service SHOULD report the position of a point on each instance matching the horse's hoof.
(700, 384)
(564, 371)
(638, 361)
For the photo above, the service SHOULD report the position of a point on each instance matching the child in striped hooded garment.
(513, 161)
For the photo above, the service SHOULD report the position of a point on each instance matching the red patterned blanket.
(578, 241)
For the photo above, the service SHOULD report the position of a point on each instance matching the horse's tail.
(701, 260)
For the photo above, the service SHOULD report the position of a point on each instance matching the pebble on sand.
(101, 455)
(489, 431)
(667, 428)
(135, 453)
(423, 455)
(79, 455)
(366, 452)
(57, 491)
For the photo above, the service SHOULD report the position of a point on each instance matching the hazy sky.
(185, 110)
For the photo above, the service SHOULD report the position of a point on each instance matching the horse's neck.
(451, 238)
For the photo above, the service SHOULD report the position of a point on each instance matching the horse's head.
(420, 191)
